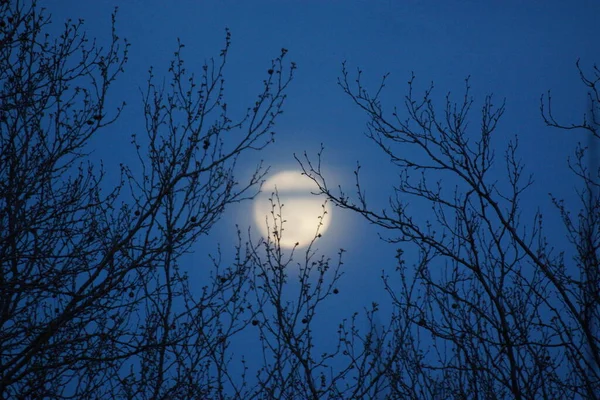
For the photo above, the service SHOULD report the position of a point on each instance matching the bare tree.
(291, 289)
(486, 305)
(93, 301)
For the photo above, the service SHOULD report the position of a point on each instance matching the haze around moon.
(301, 211)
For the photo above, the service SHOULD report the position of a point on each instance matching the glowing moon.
(302, 211)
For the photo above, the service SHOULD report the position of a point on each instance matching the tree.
(295, 365)
(93, 302)
(491, 308)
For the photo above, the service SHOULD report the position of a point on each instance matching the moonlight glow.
(301, 211)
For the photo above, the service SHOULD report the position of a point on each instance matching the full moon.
(302, 212)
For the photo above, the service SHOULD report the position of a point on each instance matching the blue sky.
(516, 50)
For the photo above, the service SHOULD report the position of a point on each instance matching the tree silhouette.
(491, 308)
(93, 303)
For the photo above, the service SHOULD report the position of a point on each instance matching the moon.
(301, 211)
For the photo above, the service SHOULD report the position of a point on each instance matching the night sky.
(516, 50)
